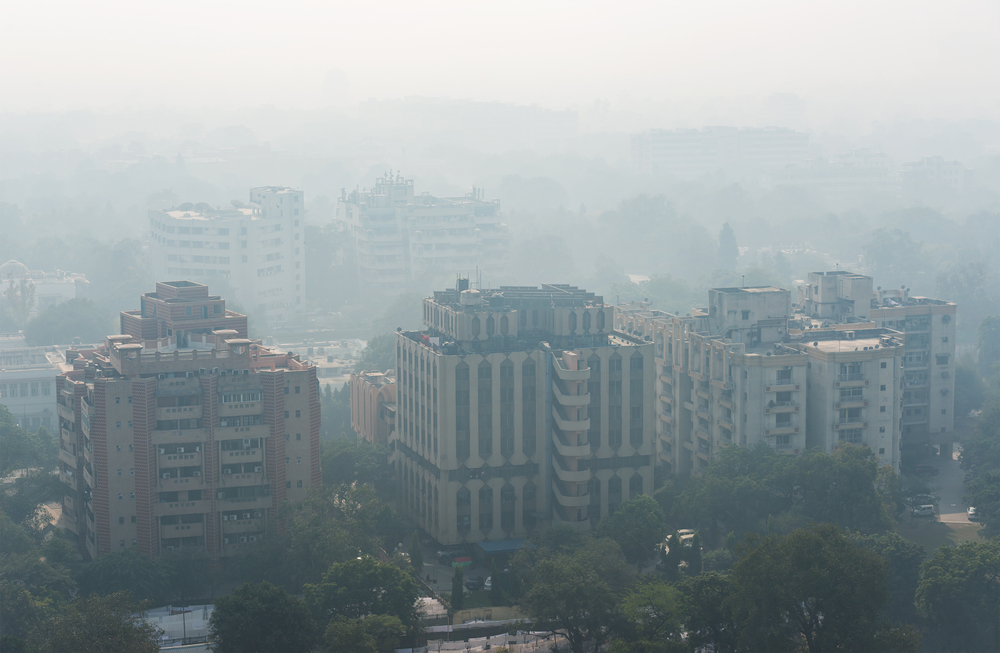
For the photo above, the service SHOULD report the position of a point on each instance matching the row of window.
(30, 389)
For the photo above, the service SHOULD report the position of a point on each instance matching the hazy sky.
(876, 58)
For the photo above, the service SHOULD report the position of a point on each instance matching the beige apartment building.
(520, 407)
(373, 405)
(397, 236)
(183, 433)
(743, 370)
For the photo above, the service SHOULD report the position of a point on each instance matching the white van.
(923, 511)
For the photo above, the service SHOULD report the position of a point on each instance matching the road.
(949, 486)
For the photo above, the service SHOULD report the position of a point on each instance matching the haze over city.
(513, 326)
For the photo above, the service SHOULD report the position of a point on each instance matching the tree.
(569, 598)
(959, 593)
(672, 557)
(651, 619)
(187, 573)
(18, 300)
(904, 559)
(20, 611)
(129, 570)
(988, 344)
(638, 527)
(335, 410)
(379, 354)
(361, 587)
(707, 619)
(813, 589)
(729, 251)
(261, 618)
(457, 590)
(98, 624)
(73, 318)
(416, 554)
(895, 258)
(970, 390)
(377, 633)
(693, 555)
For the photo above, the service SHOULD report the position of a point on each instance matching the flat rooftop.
(511, 297)
(752, 289)
(845, 345)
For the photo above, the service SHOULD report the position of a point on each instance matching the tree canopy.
(261, 618)
(638, 527)
(360, 587)
(73, 318)
(99, 624)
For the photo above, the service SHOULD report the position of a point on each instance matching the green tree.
(959, 593)
(651, 619)
(416, 554)
(20, 610)
(693, 555)
(970, 389)
(496, 592)
(813, 589)
(335, 410)
(346, 462)
(570, 598)
(638, 527)
(894, 257)
(672, 553)
(377, 633)
(988, 344)
(261, 618)
(130, 571)
(358, 588)
(457, 590)
(707, 618)
(187, 573)
(99, 624)
(18, 300)
(379, 354)
(74, 318)
(729, 251)
(904, 559)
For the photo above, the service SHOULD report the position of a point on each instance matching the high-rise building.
(397, 236)
(256, 248)
(373, 405)
(746, 369)
(520, 407)
(28, 382)
(181, 432)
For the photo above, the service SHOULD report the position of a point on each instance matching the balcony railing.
(854, 376)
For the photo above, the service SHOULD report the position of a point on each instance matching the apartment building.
(182, 433)
(373, 405)
(28, 382)
(520, 407)
(257, 248)
(397, 236)
(746, 370)
(47, 288)
(691, 153)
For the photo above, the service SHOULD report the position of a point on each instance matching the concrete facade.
(28, 382)
(519, 408)
(397, 236)
(373, 405)
(181, 432)
(257, 248)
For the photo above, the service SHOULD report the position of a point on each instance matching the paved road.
(949, 485)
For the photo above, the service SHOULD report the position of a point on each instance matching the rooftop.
(752, 289)
(844, 345)
(512, 297)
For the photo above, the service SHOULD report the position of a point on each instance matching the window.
(883, 365)
(298, 389)
(286, 414)
(298, 484)
(783, 419)
(133, 519)
(119, 471)
(881, 429)
(882, 387)
(118, 447)
(131, 447)
(944, 411)
(118, 400)
(881, 409)
(298, 413)
(942, 359)
(121, 520)
(288, 485)
(881, 451)
(120, 497)
(118, 425)
(746, 315)
(131, 471)
(784, 377)
(298, 436)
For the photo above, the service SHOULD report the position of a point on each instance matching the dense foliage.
(261, 618)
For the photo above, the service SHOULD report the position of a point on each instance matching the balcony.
(860, 403)
(69, 481)
(570, 502)
(569, 476)
(64, 412)
(781, 407)
(178, 412)
(570, 426)
(569, 400)
(67, 458)
(244, 502)
(165, 509)
(167, 460)
(571, 451)
(242, 526)
(246, 408)
(569, 375)
(242, 456)
(182, 483)
(915, 419)
(180, 436)
(182, 530)
(726, 423)
(234, 432)
(854, 376)
(243, 480)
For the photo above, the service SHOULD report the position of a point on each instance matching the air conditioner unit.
(189, 375)
(201, 370)
(215, 370)
(197, 448)
(180, 449)
(225, 540)
(163, 450)
(246, 443)
(227, 471)
(170, 548)
(246, 515)
(197, 472)
(225, 518)
(222, 372)
(258, 468)
(222, 495)
(253, 538)
(166, 474)
(243, 538)
(246, 371)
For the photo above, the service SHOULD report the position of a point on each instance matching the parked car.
(972, 513)
(447, 555)
(926, 469)
(473, 583)
(923, 511)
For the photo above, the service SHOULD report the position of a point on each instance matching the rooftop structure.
(257, 248)
(28, 382)
(47, 288)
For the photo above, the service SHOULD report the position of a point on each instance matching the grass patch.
(932, 534)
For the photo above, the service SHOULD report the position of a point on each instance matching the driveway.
(950, 486)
